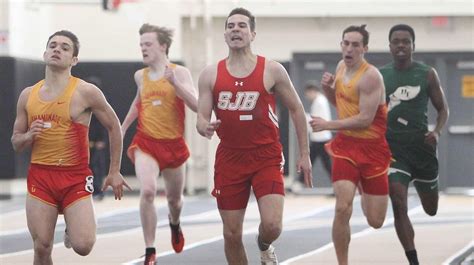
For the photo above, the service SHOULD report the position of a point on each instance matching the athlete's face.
(59, 52)
(401, 45)
(353, 48)
(238, 33)
(152, 50)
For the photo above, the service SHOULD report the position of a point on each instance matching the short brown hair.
(165, 35)
(69, 35)
(244, 12)
(361, 29)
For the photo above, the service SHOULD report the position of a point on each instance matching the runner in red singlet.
(241, 90)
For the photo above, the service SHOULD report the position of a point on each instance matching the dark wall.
(7, 109)
(16, 74)
(117, 83)
(27, 73)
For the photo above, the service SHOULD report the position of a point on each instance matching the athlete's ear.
(163, 46)
(75, 60)
(254, 34)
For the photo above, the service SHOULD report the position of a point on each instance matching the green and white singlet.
(407, 98)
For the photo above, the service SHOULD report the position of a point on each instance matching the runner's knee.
(148, 193)
(84, 246)
(430, 209)
(174, 201)
(343, 210)
(233, 235)
(43, 247)
(375, 221)
(430, 203)
(271, 228)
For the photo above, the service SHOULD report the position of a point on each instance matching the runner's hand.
(304, 165)
(327, 81)
(318, 124)
(432, 138)
(116, 181)
(211, 128)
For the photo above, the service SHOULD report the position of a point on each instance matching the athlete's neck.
(159, 66)
(157, 70)
(241, 64)
(56, 79)
(351, 69)
(402, 64)
(241, 55)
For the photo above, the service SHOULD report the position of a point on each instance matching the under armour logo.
(237, 83)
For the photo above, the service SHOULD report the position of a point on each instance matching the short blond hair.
(165, 35)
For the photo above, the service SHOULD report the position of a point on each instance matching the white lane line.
(13, 231)
(362, 233)
(459, 253)
(245, 232)
(112, 234)
(61, 221)
(15, 212)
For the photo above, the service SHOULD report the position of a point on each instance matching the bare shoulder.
(275, 77)
(138, 76)
(208, 75)
(339, 65)
(209, 70)
(182, 70)
(274, 66)
(373, 73)
(87, 90)
(25, 93)
(274, 71)
(432, 75)
(371, 79)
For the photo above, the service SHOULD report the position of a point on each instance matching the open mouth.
(400, 53)
(235, 38)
